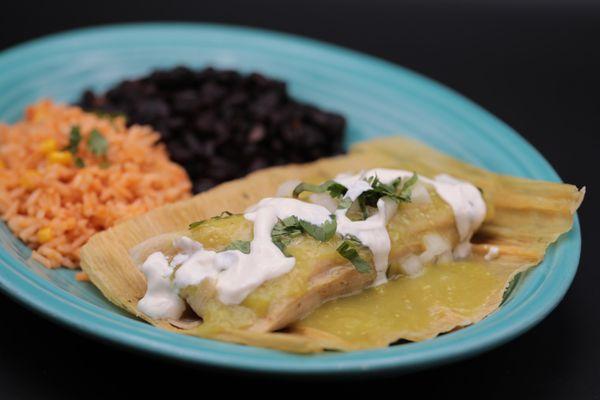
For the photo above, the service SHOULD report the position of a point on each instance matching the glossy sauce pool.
(408, 304)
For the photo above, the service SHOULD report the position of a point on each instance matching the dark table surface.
(536, 66)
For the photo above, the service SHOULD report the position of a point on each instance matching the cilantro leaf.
(240, 245)
(397, 190)
(79, 163)
(74, 139)
(195, 224)
(346, 202)
(380, 189)
(97, 143)
(322, 232)
(362, 205)
(285, 230)
(288, 228)
(335, 189)
(407, 187)
(349, 250)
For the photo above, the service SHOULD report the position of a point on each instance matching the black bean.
(150, 110)
(202, 184)
(205, 121)
(185, 102)
(179, 152)
(175, 123)
(211, 93)
(256, 134)
(220, 124)
(258, 163)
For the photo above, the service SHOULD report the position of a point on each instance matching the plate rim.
(28, 288)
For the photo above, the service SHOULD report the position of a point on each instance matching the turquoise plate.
(377, 97)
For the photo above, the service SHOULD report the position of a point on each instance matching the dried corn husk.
(528, 216)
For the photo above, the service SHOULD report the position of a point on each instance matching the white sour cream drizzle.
(464, 199)
(160, 301)
(372, 233)
(235, 274)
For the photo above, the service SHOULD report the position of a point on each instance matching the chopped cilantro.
(74, 139)
(407, 188)
(240, 245)
(345, 203)
(196, 224)
(322, 232)
(335, 189)
(97, 143)
(288, 228)
(79, 163)
(397, 190)
(349, 250)
(285, 230)
(224, 214)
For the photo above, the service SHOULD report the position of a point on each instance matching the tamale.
(320, 273)
(528, 216)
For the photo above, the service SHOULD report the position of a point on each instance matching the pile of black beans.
(221, 124)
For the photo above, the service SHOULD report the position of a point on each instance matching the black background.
(533, 64)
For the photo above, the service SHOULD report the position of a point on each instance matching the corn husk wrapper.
(528, 216)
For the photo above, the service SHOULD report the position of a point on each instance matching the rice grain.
(68, 204)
